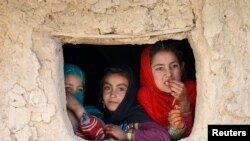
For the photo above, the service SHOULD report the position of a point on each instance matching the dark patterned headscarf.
(129, 111)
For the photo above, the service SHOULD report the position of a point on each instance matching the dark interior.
(94, 58)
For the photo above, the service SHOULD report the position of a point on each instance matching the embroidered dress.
(146, 131)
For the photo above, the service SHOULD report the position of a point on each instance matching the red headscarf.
(158, 103)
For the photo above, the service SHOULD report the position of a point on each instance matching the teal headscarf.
(75, 70)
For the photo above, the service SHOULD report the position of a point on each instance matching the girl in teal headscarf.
(78, 91)
(81, 116)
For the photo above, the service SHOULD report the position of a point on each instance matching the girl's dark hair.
(112, 70)
(174, 46)
(183, 52)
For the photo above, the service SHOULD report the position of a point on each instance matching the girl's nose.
(167, 73)
(74, 91)
(113, 94)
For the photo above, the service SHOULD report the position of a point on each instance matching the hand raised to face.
(178, 89)
(74, 105)
(71, 101)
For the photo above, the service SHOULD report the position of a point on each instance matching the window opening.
(93, 59)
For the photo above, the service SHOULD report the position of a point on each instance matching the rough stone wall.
(32, 99)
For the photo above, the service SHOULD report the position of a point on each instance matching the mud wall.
(32, 99)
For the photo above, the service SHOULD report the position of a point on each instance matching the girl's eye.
(175, 66)
(122, 89)
(68, 89)
(106, 88)
(80, 90)
(159, 68)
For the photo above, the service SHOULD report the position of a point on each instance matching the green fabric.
(79, 95)
(176, 133)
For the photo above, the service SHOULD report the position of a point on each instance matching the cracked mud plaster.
(41, 110)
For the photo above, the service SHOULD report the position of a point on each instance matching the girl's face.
(165, 66)
(114, 90)
(73, 83)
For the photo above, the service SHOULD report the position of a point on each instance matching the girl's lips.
(113, 102)
(166, 83)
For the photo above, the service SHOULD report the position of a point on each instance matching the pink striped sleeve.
(90, 127)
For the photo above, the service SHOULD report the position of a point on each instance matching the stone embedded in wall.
(17, 118)
(37, 100)
(26, 134)
(49, 111)
(41, 110)
(15, 96)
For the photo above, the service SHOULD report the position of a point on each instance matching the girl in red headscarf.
(165, 93)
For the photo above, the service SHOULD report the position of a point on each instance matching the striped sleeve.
(90, 128)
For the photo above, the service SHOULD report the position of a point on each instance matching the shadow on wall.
(94, 58)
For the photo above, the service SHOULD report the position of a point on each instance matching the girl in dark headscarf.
(125, 118)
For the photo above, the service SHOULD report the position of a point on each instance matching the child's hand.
(175, 119)
(178, 89)
(114, 132)
(71, 101)
(74, 105)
